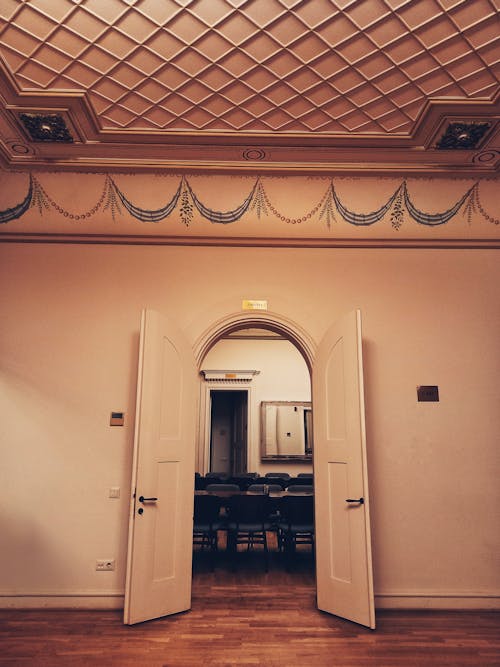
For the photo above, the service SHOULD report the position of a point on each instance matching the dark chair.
(207, 522)
(300, 488)
(296, 525)
(279, 475)
(274, 513)
(306, 475)
(199, 482)
(270, 480)
(243, 480)
(248, 524)
(217, 476)
(261, 488)
(214, 487)
(300, 480)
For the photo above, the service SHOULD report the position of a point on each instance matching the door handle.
(142, 499)
(360, 501)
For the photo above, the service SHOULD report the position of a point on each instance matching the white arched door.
(158, 578)
(343, 547)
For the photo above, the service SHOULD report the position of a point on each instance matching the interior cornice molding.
(249, 242)
(438, 108)
(479, 166)
(205, 151)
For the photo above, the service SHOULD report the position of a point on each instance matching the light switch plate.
(429, 393)
(117, 419)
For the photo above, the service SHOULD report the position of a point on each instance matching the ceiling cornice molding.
(475, 168)
(243, 152)
(77, 102)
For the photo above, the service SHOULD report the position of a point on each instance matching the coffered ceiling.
(250, 85)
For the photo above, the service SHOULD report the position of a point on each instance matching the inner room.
(256, 435)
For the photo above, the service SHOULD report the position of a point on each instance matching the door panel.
(240, 412)
(161, 521)
(220, 432)
(343, 542)
(340, 557)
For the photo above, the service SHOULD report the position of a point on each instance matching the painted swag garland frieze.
(329, 209)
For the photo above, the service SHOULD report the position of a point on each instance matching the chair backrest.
(259, 488)
(298, 510)
(300, 488)
(217, 475)
(199, 483)
(206, 509)
(241, 480)
(280, 475)
(213, 488)
(249, 509)
(306, 475)
(270, 480)
(300, 480)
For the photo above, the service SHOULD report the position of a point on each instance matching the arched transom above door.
(263, 320)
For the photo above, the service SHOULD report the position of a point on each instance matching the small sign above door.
(254, 304)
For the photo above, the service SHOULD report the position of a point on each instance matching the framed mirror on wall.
(286, 431)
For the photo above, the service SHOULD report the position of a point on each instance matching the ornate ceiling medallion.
(462, 136)
(46, 128)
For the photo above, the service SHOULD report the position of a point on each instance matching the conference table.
(269, 514)
(272, 494)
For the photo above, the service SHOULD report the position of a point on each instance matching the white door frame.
(255, 319)
(206, 389)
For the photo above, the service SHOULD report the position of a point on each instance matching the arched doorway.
(158, 578)
(261, 320)
(265, 368)
(244, 321)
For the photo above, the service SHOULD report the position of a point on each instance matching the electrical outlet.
(105, 564)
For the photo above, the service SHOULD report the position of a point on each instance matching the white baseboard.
(445, 600)
(72, 600)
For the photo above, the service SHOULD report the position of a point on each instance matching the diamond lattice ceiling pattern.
(266, 70)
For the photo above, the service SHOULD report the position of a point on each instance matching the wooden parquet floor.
(249, 617)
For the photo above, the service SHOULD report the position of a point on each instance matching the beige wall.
(68, 345)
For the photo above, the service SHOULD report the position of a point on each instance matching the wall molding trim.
(441, 600)
(70, 600)
(248, 242)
